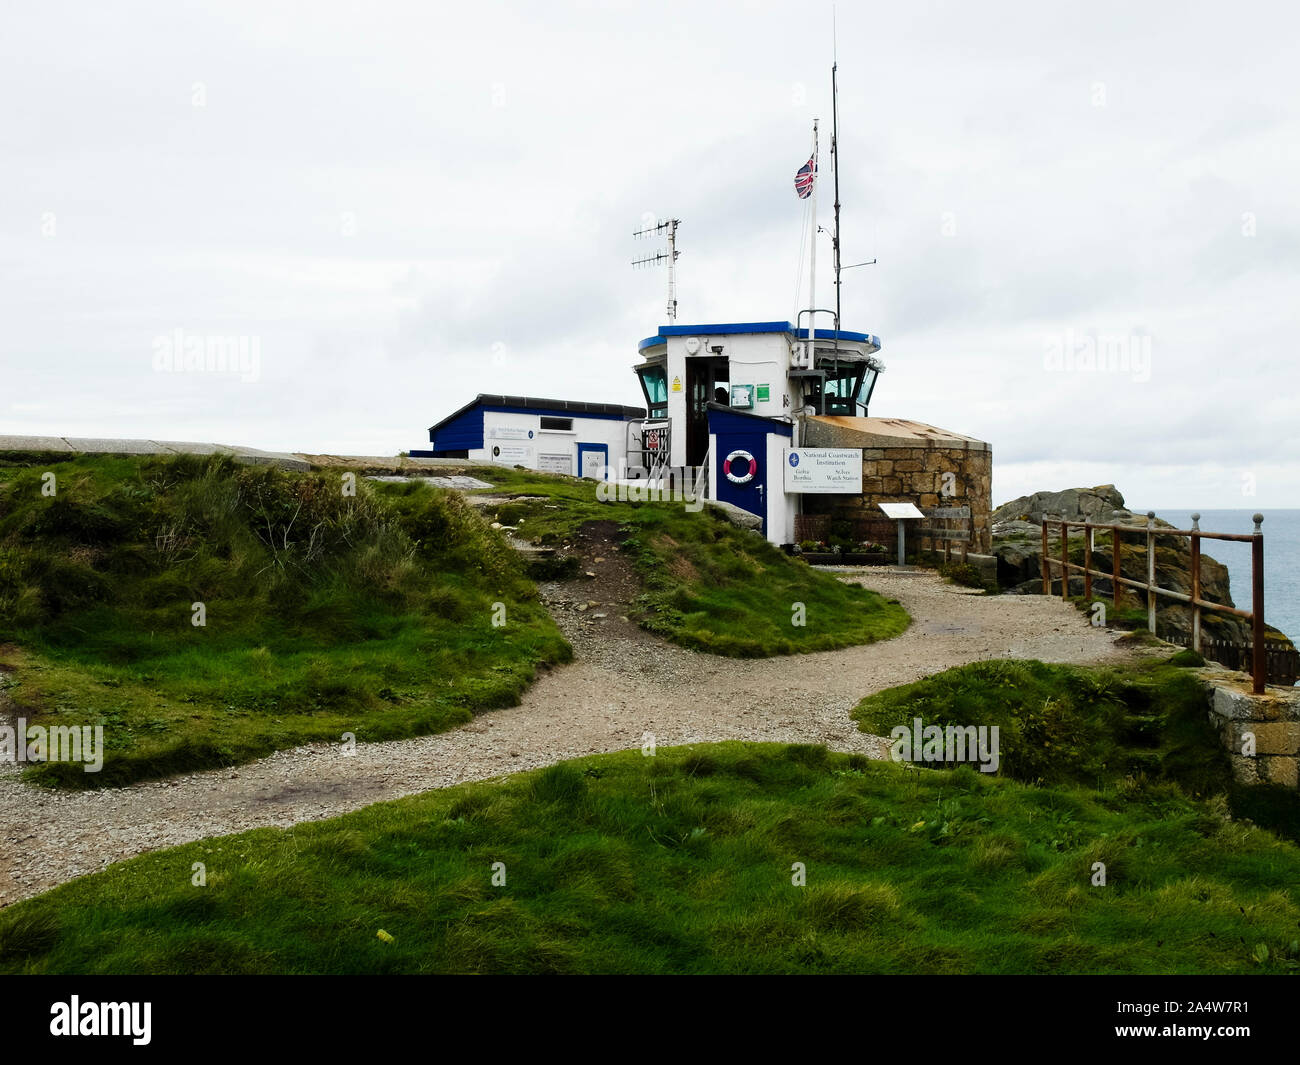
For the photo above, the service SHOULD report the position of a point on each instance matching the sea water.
(1281, 530)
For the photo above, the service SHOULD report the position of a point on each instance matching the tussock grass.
(1067, 724)
(620, 863)
(326, 612)
(1121, 730)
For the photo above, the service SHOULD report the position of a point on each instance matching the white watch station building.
(758, 415)
(553, 435)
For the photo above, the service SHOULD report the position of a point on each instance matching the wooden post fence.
(1255, 615)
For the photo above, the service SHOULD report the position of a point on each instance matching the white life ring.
(743, 478)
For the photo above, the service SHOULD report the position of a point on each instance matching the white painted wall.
(676, 366)
(760, 359)
(714, 473)
(754, 359)
(509, 431)
(781, 506)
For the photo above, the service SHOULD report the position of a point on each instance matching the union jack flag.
(803, 180)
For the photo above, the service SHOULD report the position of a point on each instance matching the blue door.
(593, 461)
(742, 470)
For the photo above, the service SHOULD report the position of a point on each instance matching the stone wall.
(910, 464)
(1268, 724)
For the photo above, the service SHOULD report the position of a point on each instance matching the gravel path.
(623, 684)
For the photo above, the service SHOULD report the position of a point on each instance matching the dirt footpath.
(623, 684)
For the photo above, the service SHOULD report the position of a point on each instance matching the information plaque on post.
(901, 512)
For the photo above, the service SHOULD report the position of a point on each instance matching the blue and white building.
(554, 435)
(725, 406)
(735, 397)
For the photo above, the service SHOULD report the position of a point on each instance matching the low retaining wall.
(1261, 732)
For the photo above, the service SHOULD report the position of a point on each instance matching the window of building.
(654, 383)
(562, 425)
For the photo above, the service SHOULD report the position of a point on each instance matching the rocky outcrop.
(1073, 504)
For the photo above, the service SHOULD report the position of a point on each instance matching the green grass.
(1104, 728)
(683, 863)
(707, 584)
(326, 613)
(372, 614)
(1067, 724)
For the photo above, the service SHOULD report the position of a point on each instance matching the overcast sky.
(405, 204)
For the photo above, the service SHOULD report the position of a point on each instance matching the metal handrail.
(1259, 666)
(706, 471)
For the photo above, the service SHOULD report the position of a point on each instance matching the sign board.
(823, 470)
(509, 432)
(764, 393)
(555, 463)
(742, 397)
(656, 439)
(512, 453)
(900, 510)
(677, 384)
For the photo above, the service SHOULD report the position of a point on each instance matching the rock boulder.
(1073, 504)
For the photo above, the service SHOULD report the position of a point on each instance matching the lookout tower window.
(562, 425)
(654, 383)
(842, 387)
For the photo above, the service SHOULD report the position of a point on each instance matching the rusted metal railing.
(1255, 615)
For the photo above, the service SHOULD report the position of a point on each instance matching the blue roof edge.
(732, 328)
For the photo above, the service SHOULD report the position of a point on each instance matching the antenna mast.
(835, 156)
(670, 227)
(835, 159)
(835, 165)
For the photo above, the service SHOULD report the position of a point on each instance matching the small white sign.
(555, 463)
(512, 453)
(509, 432)
(900, 510)
(823, 470)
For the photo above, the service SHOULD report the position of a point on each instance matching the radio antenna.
(668, 227)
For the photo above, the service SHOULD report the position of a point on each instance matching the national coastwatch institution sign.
(828, 470)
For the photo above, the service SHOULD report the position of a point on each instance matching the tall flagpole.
(812, 266)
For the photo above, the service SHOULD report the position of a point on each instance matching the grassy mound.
(686, 862)
(1103, 728)
(323, 612)
(1067, 724)
(713, 587)
(708, 585)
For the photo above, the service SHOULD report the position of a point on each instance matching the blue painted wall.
(459, 434)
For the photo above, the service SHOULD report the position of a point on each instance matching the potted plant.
(818, 552)
(867, 553)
